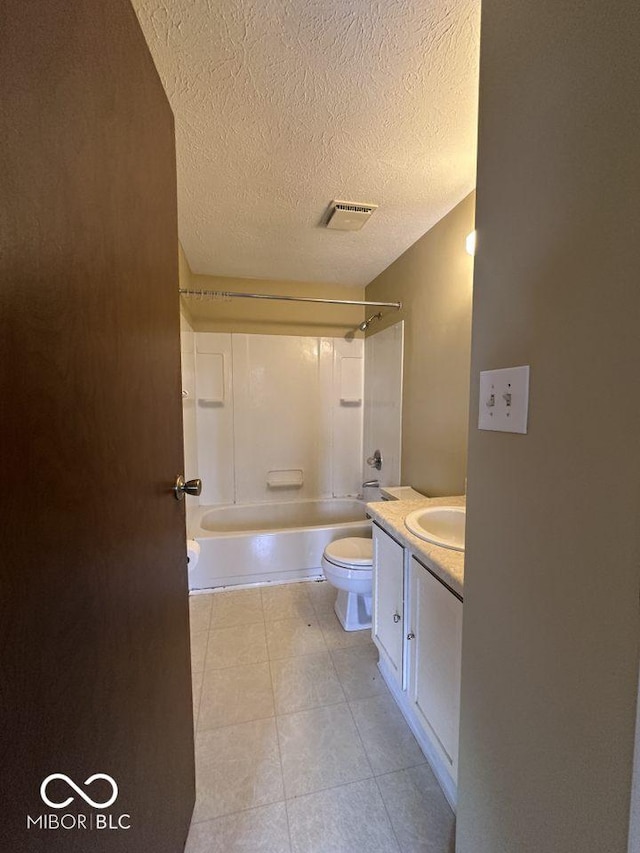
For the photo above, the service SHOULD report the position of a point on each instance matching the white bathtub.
(257, 543)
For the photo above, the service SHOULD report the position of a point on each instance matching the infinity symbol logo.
(72, 784)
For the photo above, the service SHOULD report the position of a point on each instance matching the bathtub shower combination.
(258, 543)
(274, 424)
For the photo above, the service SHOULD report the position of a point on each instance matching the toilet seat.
(356, 578)
(355, 553)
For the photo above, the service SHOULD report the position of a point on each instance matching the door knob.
(190, 487)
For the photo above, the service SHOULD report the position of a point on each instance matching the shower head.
(365, 325)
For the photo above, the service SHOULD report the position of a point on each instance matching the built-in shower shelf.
(292, 478)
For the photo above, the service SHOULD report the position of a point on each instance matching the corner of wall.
(434, 280)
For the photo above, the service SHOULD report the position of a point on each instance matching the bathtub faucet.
(370, 484)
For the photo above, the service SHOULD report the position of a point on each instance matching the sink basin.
(442, 525)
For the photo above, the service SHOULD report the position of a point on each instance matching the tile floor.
(299, 746)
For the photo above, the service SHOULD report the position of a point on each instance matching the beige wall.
(254, 316)
(433, 280)
(550, 647)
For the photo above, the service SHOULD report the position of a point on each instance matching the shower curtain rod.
(229, 294)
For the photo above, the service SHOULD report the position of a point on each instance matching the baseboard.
(259, 579)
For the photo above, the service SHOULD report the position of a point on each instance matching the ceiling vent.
(349, 215)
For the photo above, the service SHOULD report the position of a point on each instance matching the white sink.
(442, 525)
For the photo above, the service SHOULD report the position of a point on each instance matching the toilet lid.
(353, 551)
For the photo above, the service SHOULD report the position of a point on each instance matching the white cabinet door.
(435, 651)
(388, 600)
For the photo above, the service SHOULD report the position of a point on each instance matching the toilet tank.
(400, 493)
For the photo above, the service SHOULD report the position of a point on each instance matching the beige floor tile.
(237, 767)
(357, 668)
(320, 748)
(198, 650)
(236, 607)
(387, 739)
(348, 819)
(294, 637)
(420, 815)
(287, 601)
(236, 694)
(261, 830)
(305, 682)
(245, 761)
(336, 637)
(199, 612)
(196, 692)
(323, 596)
(242, 644)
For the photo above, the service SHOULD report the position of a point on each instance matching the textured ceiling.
(283, 105)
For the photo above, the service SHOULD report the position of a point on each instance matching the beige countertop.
(448, 565)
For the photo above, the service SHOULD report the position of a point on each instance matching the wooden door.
(94, 646)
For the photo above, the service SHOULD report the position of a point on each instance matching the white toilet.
(348, 566)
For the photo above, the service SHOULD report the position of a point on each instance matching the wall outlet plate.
(504, 399)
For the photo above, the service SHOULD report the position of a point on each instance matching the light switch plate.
(504, 399)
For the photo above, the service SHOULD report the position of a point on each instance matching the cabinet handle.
(396, 617)
(411, 636)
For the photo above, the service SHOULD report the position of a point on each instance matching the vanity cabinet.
(435, 652)
(417, 628)
(388, 602)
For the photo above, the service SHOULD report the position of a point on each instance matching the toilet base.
(353, 610)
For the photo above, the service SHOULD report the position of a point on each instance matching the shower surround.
(278, 420)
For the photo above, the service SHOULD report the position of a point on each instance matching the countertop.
(448, 565)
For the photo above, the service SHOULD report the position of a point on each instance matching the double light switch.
(504, 399)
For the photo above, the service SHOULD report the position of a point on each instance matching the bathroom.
(287, 400)
(326, 394)
(302, 376)
(432, 278)
(308, 735)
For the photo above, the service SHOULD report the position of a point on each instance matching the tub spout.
(370, 484)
